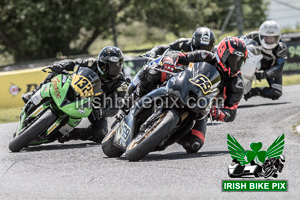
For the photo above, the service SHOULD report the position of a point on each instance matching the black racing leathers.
(98, 128)
(272, 66)
(231, 88)
(110, 89)
(182, 44)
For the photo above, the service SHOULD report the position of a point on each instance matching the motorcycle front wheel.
(147, 141)
(34, 130)
(108, 147)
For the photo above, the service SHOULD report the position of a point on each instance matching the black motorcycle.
(165, 115)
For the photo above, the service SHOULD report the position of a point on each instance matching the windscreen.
(86, 82)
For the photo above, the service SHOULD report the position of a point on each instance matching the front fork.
(151, 119)
(65, 129)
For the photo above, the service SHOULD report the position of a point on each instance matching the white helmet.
(269, 34)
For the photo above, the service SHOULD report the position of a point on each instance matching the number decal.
(83, 86)
(222, 48)
(126, 132)
(82, 82)
(87, 88)
(203, 82)
(80, 78)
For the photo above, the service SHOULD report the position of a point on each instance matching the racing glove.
(58, 69)
(260, 75)
(168, 64)
(217, 114)
(150, 54)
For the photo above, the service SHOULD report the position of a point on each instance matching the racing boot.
(271, 93)
(83, 134)
(253, 92)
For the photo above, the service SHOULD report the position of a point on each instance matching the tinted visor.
(110, 70)
(270, 39)
(114, 69)
(234, 62)
(204, 47)
(199, 46)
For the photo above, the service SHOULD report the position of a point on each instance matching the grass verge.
(286, 80)
(9, 114)
(295, 128)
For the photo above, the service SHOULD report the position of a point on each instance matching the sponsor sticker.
(14, 90)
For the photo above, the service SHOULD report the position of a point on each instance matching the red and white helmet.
(231, 54)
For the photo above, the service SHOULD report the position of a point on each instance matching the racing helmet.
(269, 34)
(110, 63)
(231, 54)
(203, 39)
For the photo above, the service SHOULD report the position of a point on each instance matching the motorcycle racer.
(274, 52)
(108, 66)
(231, 53)
(203, 39)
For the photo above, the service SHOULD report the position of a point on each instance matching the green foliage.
(41, 28)
(254, 13)
(286, 80)
(35, 29)
(290, 30)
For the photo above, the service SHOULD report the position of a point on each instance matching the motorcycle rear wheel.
(34, 130)
(140, 147)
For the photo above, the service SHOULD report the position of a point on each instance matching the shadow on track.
(214, 123)
(264, 104)
(50, 147)
(179, 155)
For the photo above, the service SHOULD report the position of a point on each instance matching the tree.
(41, 28)
(36, 29)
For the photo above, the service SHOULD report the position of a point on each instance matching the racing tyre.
(108, 147)
(31, 132)
(147, 141)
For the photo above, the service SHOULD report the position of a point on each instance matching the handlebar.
(161, 70)
(147, 57)
(50, 68)
(45, 69)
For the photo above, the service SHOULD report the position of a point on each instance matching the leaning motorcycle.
(252, 63)
(154, 123)
(58, 107)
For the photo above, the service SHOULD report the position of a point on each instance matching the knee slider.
(191, 143)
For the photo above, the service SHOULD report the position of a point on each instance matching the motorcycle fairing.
(127, 128)
(201, 80)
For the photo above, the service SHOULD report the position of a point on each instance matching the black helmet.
(203, 39)
(110, 62)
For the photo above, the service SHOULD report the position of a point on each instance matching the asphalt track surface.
(79, 170)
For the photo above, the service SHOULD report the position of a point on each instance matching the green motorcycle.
(57, 108)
